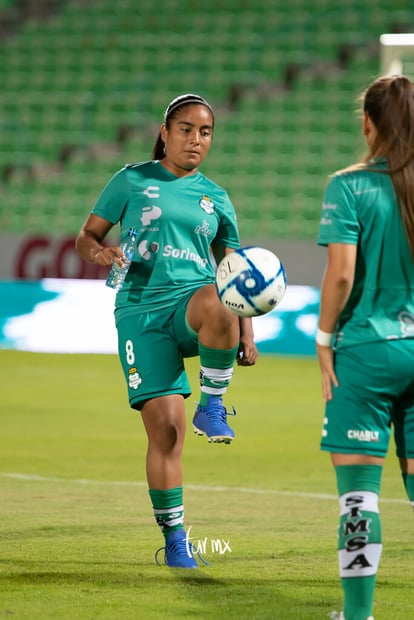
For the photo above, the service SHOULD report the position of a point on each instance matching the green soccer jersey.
(176, 220)
(360, 208)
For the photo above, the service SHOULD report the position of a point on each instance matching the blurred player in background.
(168, 308)
(365, 339)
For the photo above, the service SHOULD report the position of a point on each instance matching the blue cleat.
(212, 420)
(179, 551)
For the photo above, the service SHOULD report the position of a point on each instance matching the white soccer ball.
(251, 281)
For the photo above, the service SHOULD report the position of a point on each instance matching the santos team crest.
(207, 204)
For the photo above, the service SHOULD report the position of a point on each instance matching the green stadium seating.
(283, 81)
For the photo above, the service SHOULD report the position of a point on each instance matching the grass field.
(77, 531)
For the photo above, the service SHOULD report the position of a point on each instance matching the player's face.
(188, 139)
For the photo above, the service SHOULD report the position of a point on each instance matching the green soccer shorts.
(152, 347)
(375, 393)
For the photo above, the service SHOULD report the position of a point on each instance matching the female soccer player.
(168, 308)
(365, 339)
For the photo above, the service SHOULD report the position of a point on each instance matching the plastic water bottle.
(117, 274)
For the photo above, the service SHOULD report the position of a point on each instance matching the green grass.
(77, 531)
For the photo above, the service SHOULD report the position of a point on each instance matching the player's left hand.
(326, 364)
(247, 353)
(108, 255)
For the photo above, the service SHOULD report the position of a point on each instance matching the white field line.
(195, 487)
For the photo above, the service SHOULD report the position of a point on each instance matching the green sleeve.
(113, 199)
(228, 232)
(339, 221)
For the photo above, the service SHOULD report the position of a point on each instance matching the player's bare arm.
(336, 288)
(89, 242)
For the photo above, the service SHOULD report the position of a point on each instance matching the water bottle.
(117, 274)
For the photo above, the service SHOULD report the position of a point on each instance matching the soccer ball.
(250, 281)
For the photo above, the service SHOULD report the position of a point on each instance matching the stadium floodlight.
(397, 54)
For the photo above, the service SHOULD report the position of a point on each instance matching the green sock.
(168, 508)
(409, 485)
(359, 536)
(216, 371)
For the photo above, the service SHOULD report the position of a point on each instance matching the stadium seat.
(283, 83)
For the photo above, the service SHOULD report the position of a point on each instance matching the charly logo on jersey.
(203, 229)
(152, 191)
(207, 204)
(134, 378)
(145, 250)
(407, 323)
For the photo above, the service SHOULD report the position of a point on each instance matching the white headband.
(183, 100)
